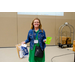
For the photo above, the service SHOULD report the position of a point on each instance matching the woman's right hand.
(23, 42)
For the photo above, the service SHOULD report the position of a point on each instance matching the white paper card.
(35, 41)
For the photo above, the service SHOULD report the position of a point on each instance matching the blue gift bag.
(24, 50)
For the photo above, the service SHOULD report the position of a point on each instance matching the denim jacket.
(41, 38)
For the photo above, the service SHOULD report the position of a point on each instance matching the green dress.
(32, 58)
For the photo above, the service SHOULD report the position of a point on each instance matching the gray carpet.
(10, 55)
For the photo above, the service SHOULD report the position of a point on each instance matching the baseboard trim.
(27, 46)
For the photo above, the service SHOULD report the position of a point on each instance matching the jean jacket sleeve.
(44, 38)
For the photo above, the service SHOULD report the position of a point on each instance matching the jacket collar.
(39, 30)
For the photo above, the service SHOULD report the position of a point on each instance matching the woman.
(36, 35)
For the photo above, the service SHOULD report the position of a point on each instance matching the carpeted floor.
(10, 55)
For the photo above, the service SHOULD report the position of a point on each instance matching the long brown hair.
(40, 26)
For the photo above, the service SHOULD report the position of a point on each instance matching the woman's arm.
(27, 40)
(44, 38)
(23, 42)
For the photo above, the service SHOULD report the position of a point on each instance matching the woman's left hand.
(44, 40)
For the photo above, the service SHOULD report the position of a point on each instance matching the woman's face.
(36, 23)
